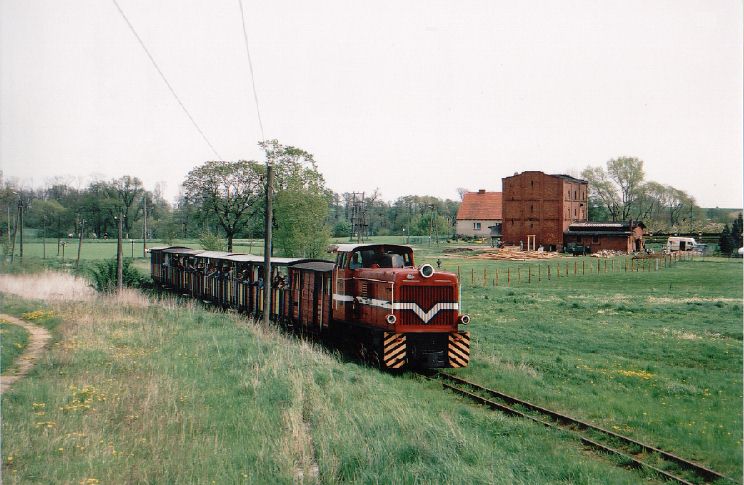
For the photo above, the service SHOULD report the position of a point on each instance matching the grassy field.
(657, 356)
(13, 339)
(654, 354)
(171, 393)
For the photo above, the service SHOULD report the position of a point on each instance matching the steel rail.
(701, 470)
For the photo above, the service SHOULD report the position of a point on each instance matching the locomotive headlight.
(464, 319)
(426, 270)
(391, 319)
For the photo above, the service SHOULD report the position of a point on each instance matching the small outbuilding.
(614, 236)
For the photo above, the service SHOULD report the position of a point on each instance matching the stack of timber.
(514, 254)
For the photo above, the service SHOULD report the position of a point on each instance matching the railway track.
(634, 453)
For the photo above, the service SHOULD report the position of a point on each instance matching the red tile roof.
(480, 205)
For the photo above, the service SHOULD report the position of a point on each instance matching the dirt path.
(37, 340)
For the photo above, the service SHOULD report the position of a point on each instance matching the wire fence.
(528, 273)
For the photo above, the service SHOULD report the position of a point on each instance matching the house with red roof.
(479, 214)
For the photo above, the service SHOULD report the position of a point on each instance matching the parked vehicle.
(675, 243)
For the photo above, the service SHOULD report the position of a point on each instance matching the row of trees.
(227, 199)
(620, 192)
(61, 210)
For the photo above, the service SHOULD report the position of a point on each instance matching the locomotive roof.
(323, 266)
(346, 248)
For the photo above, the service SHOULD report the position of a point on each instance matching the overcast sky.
(418, 97)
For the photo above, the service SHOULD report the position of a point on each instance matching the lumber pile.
(514, 254)
(608, 253)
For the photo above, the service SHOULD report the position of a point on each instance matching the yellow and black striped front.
(458, 349)
(394, 350)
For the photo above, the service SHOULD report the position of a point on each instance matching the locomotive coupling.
(464, 319)
(391, 319)
(426, 270)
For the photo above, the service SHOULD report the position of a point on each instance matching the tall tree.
(628, 175)
(229, 191)
(129, 192)
(726, 242)
(736, 231)
(301, 204)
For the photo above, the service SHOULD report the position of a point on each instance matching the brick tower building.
(541, 205)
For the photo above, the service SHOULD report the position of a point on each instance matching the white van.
(675, 243)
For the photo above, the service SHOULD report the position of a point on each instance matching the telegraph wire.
(165, 80)
(250, 65)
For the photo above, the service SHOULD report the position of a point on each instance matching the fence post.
(583, 267)
(496, 281)
(548, 272)
(558, 270)
(575, 265)
(472, 276)
(539, 272)
(485, 276)
(508, 276)
(519, 275)
(529, 274)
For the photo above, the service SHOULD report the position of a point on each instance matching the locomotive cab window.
(381, 257)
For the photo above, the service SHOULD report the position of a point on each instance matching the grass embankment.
(171, 393)
(656, 355)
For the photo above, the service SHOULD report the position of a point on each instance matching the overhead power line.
(165, 80)
(250, 65)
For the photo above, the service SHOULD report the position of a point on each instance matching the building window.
(532, 183)
(595, 239)
(575, 195)
(477, 226)
(574, 212)
(532, 208)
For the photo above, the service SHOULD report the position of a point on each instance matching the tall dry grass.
(48, 286)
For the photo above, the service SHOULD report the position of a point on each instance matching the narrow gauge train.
(398, 315)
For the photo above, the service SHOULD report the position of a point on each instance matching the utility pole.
(144, 228)
(20, 225)
(8, 225)
(80, 243)
(43, 236)
(12, 245)
(119, 256)
(267, 244)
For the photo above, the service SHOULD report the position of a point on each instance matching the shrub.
(103, 275)
(210, 241)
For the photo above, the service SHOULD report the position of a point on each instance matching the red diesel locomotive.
(398, 315)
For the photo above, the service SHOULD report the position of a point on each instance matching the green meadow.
(162, 390)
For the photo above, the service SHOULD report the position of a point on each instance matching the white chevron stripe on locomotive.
(424, 316)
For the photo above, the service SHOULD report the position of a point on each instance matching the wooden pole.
(20, 228)
(15, 229)
(508, 276)
(529, 274)
(267, 245)
(119, 255)
(80, 243)
(144, 227)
